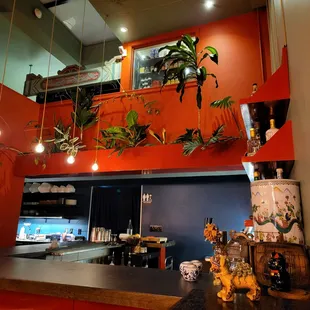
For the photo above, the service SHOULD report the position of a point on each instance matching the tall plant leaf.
(132, 118)
(225, 103)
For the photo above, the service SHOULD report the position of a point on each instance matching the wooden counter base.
(96, 295)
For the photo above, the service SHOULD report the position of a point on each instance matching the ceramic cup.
(183, 265)
(198, 264)
(190, 272)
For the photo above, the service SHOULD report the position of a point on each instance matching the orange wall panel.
(15, 111)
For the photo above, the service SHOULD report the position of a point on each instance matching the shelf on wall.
(279, 148)
(277, 86)
(159, 158)
(275, 92)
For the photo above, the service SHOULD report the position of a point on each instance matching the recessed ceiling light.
(124, 29)
(209, 4)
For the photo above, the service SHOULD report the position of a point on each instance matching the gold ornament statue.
(241, 278)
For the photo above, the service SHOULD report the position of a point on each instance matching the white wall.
(22, 52)
(297, 13)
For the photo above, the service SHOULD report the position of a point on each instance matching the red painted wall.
(15, 112)
(240, 65)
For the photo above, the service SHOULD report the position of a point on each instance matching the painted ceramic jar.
(198, 264)
(277, 211)
(183, 265)
(190, 272)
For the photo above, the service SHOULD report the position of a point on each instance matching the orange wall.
(240, 65)
(16, 110)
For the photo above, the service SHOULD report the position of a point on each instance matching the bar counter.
(121, 286)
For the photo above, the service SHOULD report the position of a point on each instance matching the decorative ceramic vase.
(198, 264)
(183, 265)
(190, 272)
(277, 211)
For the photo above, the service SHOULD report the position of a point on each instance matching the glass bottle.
(272, 131)
(129, 228)
(256, 175)
(253, 143)
(279, 173)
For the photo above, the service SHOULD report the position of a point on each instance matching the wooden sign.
(71, 77)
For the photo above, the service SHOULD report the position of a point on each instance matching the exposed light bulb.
(39, 148)
(209, 4)
(124, 29)
(0, 132)
(70, 159)
(95, 166)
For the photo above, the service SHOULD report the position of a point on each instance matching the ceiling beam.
(66, 47)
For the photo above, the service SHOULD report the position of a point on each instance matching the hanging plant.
(65, 143)
(120, 138)
(184, 54)
(84, 114)
(61, 133)
(193, 138)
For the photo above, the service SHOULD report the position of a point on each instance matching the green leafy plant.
(84, 114)
(184, 53)
(119, 138)
(65, 143)
(194, 139)
(61, 133)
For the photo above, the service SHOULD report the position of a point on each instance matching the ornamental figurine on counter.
(241, 277)
(280, 278)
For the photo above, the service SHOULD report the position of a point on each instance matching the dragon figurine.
(241, 278)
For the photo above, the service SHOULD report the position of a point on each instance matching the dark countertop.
(206, 300)
(126, 286)
(118, 285)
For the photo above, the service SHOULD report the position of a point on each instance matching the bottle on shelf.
(279, 173)
(129, 228)
(272, 131)
(256, 175)
(253, 144)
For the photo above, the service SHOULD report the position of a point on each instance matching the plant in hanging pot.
(190, 68)
(120, 138)
(84, 114)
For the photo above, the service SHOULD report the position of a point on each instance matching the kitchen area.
(123, 222)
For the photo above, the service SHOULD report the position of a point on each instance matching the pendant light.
(40, 147)
(70, 159)
(6, 62)
(95, 165)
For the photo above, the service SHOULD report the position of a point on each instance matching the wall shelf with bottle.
(144, 71)
(270, 145)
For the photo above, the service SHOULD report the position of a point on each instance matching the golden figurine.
(242, 277)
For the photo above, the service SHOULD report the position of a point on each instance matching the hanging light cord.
(7, 48)
(48, 73)
(99, 111)
(79, 71)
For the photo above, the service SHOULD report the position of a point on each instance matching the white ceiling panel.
(71, 14)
